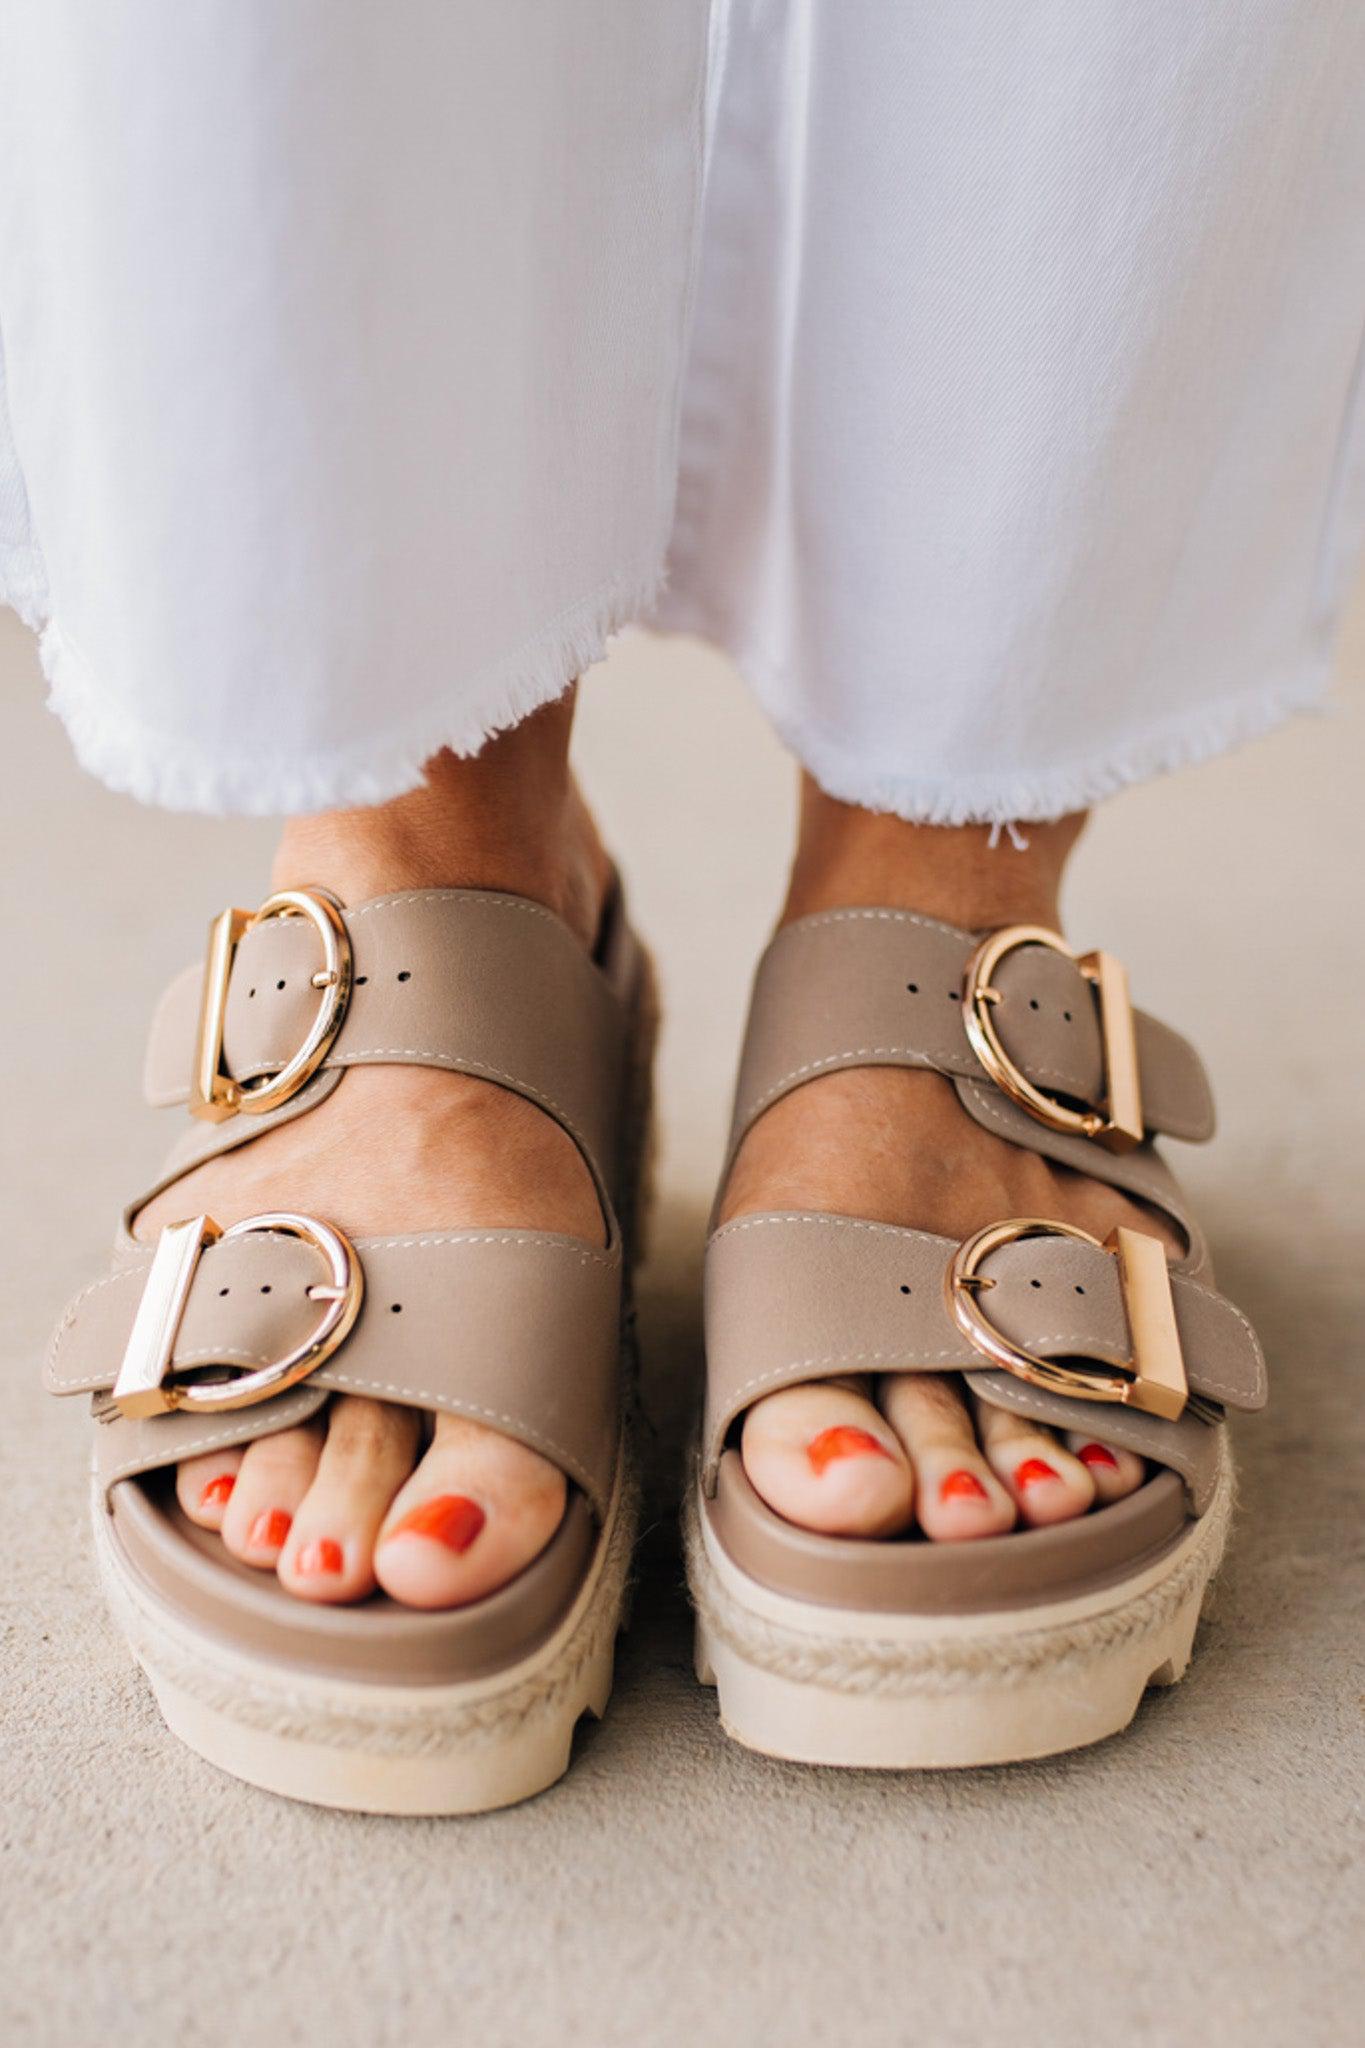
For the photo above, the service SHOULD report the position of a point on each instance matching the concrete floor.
(1197, 1880)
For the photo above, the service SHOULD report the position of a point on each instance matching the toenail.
(323, 1556)
(843, 1441)
(962, 1486)
(448, 1519)
(216, 1492)
(1032, 1471)
(1098, 1454)
(269, 1530)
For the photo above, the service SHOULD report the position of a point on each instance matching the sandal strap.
(870, 987)
(794, 1297)
(463, 1322)
(477, 982)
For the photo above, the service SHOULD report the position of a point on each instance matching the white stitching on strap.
(845, 1358)
(531, 1241)
(931, 924)
(1213, 1386)
(483, 898)
(838, 1222)
(467, 1408)
(202, 1443)
(852, 1052)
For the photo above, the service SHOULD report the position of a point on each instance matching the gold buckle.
(214, 1094)
(1120, 1127)
(1154, 1379)
(144, 1385)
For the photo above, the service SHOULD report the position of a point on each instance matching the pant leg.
(342, 347)
(1023, 454)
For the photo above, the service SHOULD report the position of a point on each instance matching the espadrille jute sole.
(460, 1748)
(826, 1685)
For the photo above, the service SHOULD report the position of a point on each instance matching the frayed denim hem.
(1035, 796)
(180, 775)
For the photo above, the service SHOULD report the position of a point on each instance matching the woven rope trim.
(871, 1666)
(409, 1730)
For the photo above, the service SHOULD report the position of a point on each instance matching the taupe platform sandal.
(909, 1653)
(215, 1338)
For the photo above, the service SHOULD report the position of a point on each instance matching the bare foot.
(370, 1493)
(858, 1457)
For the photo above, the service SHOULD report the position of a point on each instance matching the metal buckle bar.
(1154, 1380)
(214, 1094)
(145, 1384)
(1119, 1127)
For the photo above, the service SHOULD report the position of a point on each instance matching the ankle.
(848, 856)
(512, 818)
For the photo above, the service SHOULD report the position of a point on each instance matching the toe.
(824, 1458)
(957, 1496)
(1047, 1483)
(476, 1511)
(369, 1451)
(273, 1477)
(1113, 1470)
(203, 1486)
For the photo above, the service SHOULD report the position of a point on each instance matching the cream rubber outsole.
(829, 1685)
(448, 1749)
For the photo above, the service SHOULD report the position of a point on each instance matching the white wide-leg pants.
(984, 377)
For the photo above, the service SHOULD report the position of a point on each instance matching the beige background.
(1197, 1880)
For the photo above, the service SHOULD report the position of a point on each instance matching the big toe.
(822, 1456)
(476, 1511)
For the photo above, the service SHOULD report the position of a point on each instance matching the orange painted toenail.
(269, 1530)
(1098, 1454)
(322, 1556)
(449, 1519)
(962, 1486)
(215, 1494)
(1032, 1471)
(843, 1441)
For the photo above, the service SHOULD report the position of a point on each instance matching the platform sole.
(827, 1685)
(463, 1748)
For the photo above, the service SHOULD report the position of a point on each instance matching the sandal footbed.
(909, 1575)
(377, 1640)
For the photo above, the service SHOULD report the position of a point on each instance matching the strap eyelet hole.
(912, 987)
(279, 984)
(265, 1287)
(904, 1288)
(224, 1290)
(395, 1308)
(406, 974)
(1035, 1283)
(361, 980)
